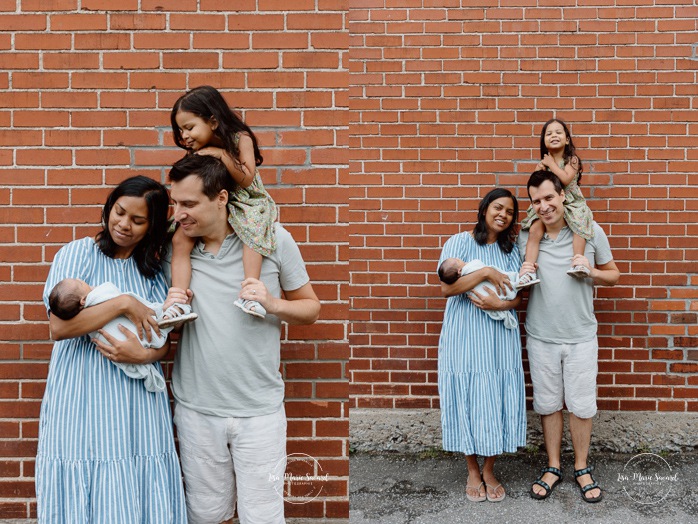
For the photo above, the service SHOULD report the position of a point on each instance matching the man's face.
(547, 203)
(198, 216)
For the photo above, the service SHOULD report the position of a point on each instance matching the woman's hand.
(129, 351)
(486, 302)
(142, 316)
(500, 281)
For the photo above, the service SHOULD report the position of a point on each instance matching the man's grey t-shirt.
(227, 362)
(561, 307)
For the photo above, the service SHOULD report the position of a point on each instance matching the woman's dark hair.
(506, 238)
(150, 251)
(569, 151)
(207, 103)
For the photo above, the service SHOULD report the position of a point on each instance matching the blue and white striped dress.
(106, 448)
(481, 382)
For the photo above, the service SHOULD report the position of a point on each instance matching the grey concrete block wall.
(409, 431)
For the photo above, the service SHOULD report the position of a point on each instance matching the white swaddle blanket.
(153, 379)
(510, 321)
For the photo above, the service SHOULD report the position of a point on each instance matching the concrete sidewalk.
(428, 488)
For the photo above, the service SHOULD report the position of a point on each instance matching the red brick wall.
(85, 95)
(447, 102)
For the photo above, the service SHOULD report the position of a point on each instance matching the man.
(561, 334)
(228, 390)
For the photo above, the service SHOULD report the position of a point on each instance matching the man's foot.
(475, 488)
(495, 491)
(589, 488)
(545, 484)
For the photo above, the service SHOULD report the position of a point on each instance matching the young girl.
(203, 124)
(558, 155)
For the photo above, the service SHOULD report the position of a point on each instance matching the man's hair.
(212, 172)
(538, 177)
(63, 301)
(449, 271)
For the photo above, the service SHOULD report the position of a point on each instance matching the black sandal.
(588, 487)
(544, 485)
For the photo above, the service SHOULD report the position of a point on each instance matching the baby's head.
(67, 297)
(449, 271)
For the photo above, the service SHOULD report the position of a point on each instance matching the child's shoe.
(526, 280)
(251, 307)
(176, 314)
(579, 271)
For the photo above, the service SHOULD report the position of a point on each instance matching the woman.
(106, 448)
(481, 383)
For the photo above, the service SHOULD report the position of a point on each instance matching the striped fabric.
(481, 383)
(106, 448)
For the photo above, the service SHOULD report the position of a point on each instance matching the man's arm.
(606, 274)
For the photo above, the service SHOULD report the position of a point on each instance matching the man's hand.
(253, 289)
(176, 295)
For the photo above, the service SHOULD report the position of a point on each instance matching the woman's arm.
(467, 282)
(491, 302)
(94, 317)
(129, 351)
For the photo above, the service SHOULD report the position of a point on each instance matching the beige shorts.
(564, 371)
(229, 460)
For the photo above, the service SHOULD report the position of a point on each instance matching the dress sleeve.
(456, 247)
(71, 261)
(514, 259)
(158, 288)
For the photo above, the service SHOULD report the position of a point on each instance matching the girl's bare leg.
(251, 262)
(181, 263)
(578, 244)
(535, 235)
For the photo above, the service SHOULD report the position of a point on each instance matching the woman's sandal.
(473, 498)
(526, 280)
(544, 485)
(588, 487)
(176, 314)
(494, 490)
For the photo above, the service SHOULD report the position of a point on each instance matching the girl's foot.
(579, 271)
(176, 314)
(526, 280)
(251, 307)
